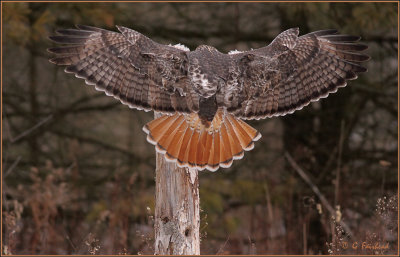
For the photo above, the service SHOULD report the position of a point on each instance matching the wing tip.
(53, 61)
(87, 27)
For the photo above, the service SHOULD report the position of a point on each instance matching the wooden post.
(177, 212)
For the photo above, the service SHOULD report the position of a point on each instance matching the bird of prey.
(204, 95)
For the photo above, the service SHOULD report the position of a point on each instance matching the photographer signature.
(365, 245)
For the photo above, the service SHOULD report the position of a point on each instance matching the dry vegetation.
(78, 174)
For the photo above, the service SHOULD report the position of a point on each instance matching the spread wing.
(291, 72)
(129, 66)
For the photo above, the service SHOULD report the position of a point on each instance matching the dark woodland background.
(78, 174)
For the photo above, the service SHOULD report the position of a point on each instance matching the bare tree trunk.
(34, 105)
(177, 213)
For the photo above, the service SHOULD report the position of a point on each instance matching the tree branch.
(315, 189)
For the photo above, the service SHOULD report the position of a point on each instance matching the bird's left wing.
(291, 72)
(129, 66)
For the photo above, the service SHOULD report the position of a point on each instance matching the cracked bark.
(177, 213)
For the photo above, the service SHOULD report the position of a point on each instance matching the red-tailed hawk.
(204, 94)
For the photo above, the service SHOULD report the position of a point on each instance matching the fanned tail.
(184, 139)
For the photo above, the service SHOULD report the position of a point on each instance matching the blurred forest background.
(78, 174)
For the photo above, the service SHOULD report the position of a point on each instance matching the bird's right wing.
(129, 66)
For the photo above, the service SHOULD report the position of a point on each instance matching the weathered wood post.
(177, 212)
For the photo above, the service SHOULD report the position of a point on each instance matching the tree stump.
(177, 212)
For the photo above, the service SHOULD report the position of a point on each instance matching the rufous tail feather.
(184, 139)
